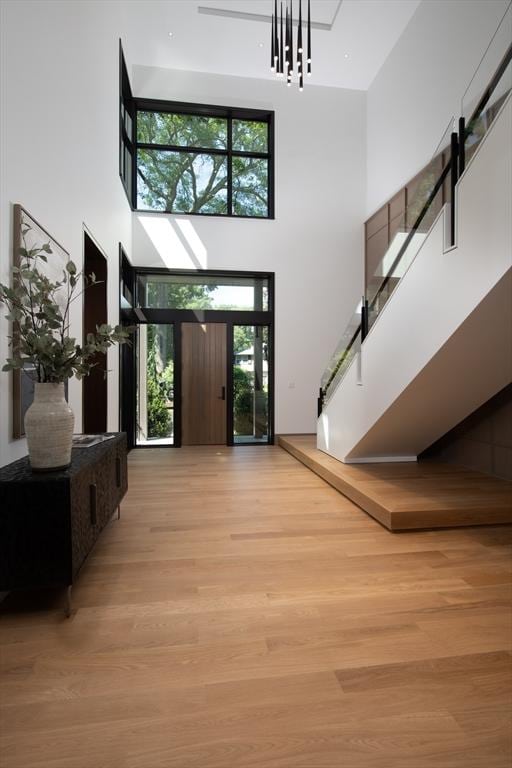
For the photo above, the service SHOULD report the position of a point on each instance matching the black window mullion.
(202, 150)
(270, 169)
(250, 155)
(177, 148)
(230, 166)
(126, 107)
(177, 383)
(202, 110)
(229, 383)
(135, 163)
(127, 139)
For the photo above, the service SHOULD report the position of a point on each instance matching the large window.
(203, 160)
(126, 127)
(186, 158)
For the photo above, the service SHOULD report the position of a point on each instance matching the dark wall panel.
(483, 441)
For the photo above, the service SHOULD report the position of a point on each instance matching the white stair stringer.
(442, 345)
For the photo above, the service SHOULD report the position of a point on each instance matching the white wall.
(419, 88)
(59, 150)
(314, 245)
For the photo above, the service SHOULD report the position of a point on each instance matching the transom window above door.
(187, 291)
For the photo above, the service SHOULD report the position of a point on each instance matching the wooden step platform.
(410, 496)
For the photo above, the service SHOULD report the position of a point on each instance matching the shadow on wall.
(172, 244)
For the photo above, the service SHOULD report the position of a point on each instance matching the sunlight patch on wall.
(194, 242)
(177, 248)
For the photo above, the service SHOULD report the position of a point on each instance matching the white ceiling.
(347, 55)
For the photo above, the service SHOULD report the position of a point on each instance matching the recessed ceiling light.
(260, 45)
(346, 56)
(170, 34)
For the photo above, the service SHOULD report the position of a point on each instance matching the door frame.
(86, 233)
(127, 394)
(145, 315)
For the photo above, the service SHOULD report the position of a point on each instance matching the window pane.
(181, 182)
(250, 383)
(250, 186)
(128, 125)
(182, 130)
(190, 292)
(127, 174)
(250, 136)
(155, 384)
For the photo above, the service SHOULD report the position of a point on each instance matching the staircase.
(439, 343)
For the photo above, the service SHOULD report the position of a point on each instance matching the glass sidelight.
(250, 384)
(155, 384)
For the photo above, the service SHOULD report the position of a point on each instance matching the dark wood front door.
(204, 365)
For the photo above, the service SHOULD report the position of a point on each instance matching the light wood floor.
(242, 613)
(407, 496)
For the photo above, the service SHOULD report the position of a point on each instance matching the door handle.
(223, 393)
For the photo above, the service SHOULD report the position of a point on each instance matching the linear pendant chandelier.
(282, 61)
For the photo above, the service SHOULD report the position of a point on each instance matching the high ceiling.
(232, 37)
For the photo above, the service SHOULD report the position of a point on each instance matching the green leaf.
(71, 267)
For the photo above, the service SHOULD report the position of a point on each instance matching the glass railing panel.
(425, 197)
(489, 86)
(481, 121)
(444, 145)
(488, 67)
(345, 351)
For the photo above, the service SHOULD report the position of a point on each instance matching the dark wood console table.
(49, 522)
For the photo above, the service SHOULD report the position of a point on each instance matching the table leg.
(69, 605)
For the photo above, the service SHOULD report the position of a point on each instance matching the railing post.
(462, 145)
(364, 318)
(320, 402)
(453, 182)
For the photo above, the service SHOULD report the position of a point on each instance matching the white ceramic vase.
(49, 423)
